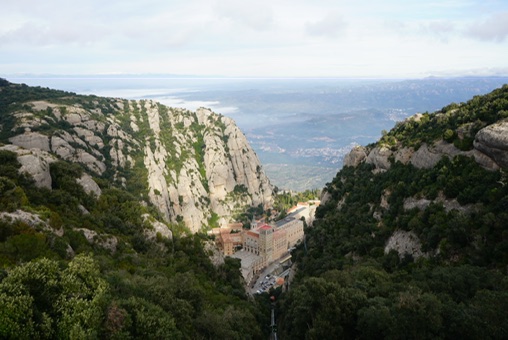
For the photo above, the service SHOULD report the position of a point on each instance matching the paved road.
(261, 277)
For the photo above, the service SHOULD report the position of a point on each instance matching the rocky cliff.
(196, 168)
(413, 231)
(489, 148)
(443, 159)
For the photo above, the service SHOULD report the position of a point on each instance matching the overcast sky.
(267, 38)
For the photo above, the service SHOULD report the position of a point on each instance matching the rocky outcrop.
(379, 157)
(218, 172)
(89, 185)
(195, 165)
(356, 156)
(30, 219)
(403, 155)
(108, 242)
(448, 204)
(493, 142)
(31, 140)
(405, 243)
(35, 162)
(424, 157)
(157, 228)
(325, 196)
(215, 255)
(491, 152)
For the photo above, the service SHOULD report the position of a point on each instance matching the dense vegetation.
(157, 289)
(456, 123)
(347, 286)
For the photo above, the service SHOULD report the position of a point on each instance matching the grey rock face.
(33, 220)
(35, 162)
(157, 228)
(89, 185)
(425, 157)
(31, 140)
(221, 174)
(108, 242)
(379, 158)
(492, 140)
(357, 155)
(199, 165)
(403, 155)
(405, 243)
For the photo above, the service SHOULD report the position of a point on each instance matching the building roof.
(233, 238)
(225, 230)
(265, 227)
(291, 217)
(235, 226)
(253, 233)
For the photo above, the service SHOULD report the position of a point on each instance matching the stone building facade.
(264, 244)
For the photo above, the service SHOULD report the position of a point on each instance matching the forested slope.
(411, 248)
(84, 252)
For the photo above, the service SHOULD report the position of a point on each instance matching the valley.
(105, 202)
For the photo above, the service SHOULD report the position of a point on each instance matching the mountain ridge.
(199, 165)
(410, 239)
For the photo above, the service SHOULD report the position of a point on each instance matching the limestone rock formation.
(493, 142)
(31, 140)
(31, 219)
(192, 166)
(108, 242)
(35, 162)
(355, 156)
(157, 228)
(379, 158)
(89, 185)
(405, 243)
(448, 204)
(491, 152)
(212, 179)
(325, 196)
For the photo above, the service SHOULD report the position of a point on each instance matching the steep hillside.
(194, 167)
(86, 250)
(411, 238)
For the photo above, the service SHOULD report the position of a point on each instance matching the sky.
(262, 38)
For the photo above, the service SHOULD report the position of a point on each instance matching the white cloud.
(332, 25)
(261, 38)
(257, 15)
(54, 33)
(494, 28)
(440, 29)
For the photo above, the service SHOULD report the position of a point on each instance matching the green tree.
(40, 300)
(82, 299)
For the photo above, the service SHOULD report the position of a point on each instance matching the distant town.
(264, 248)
